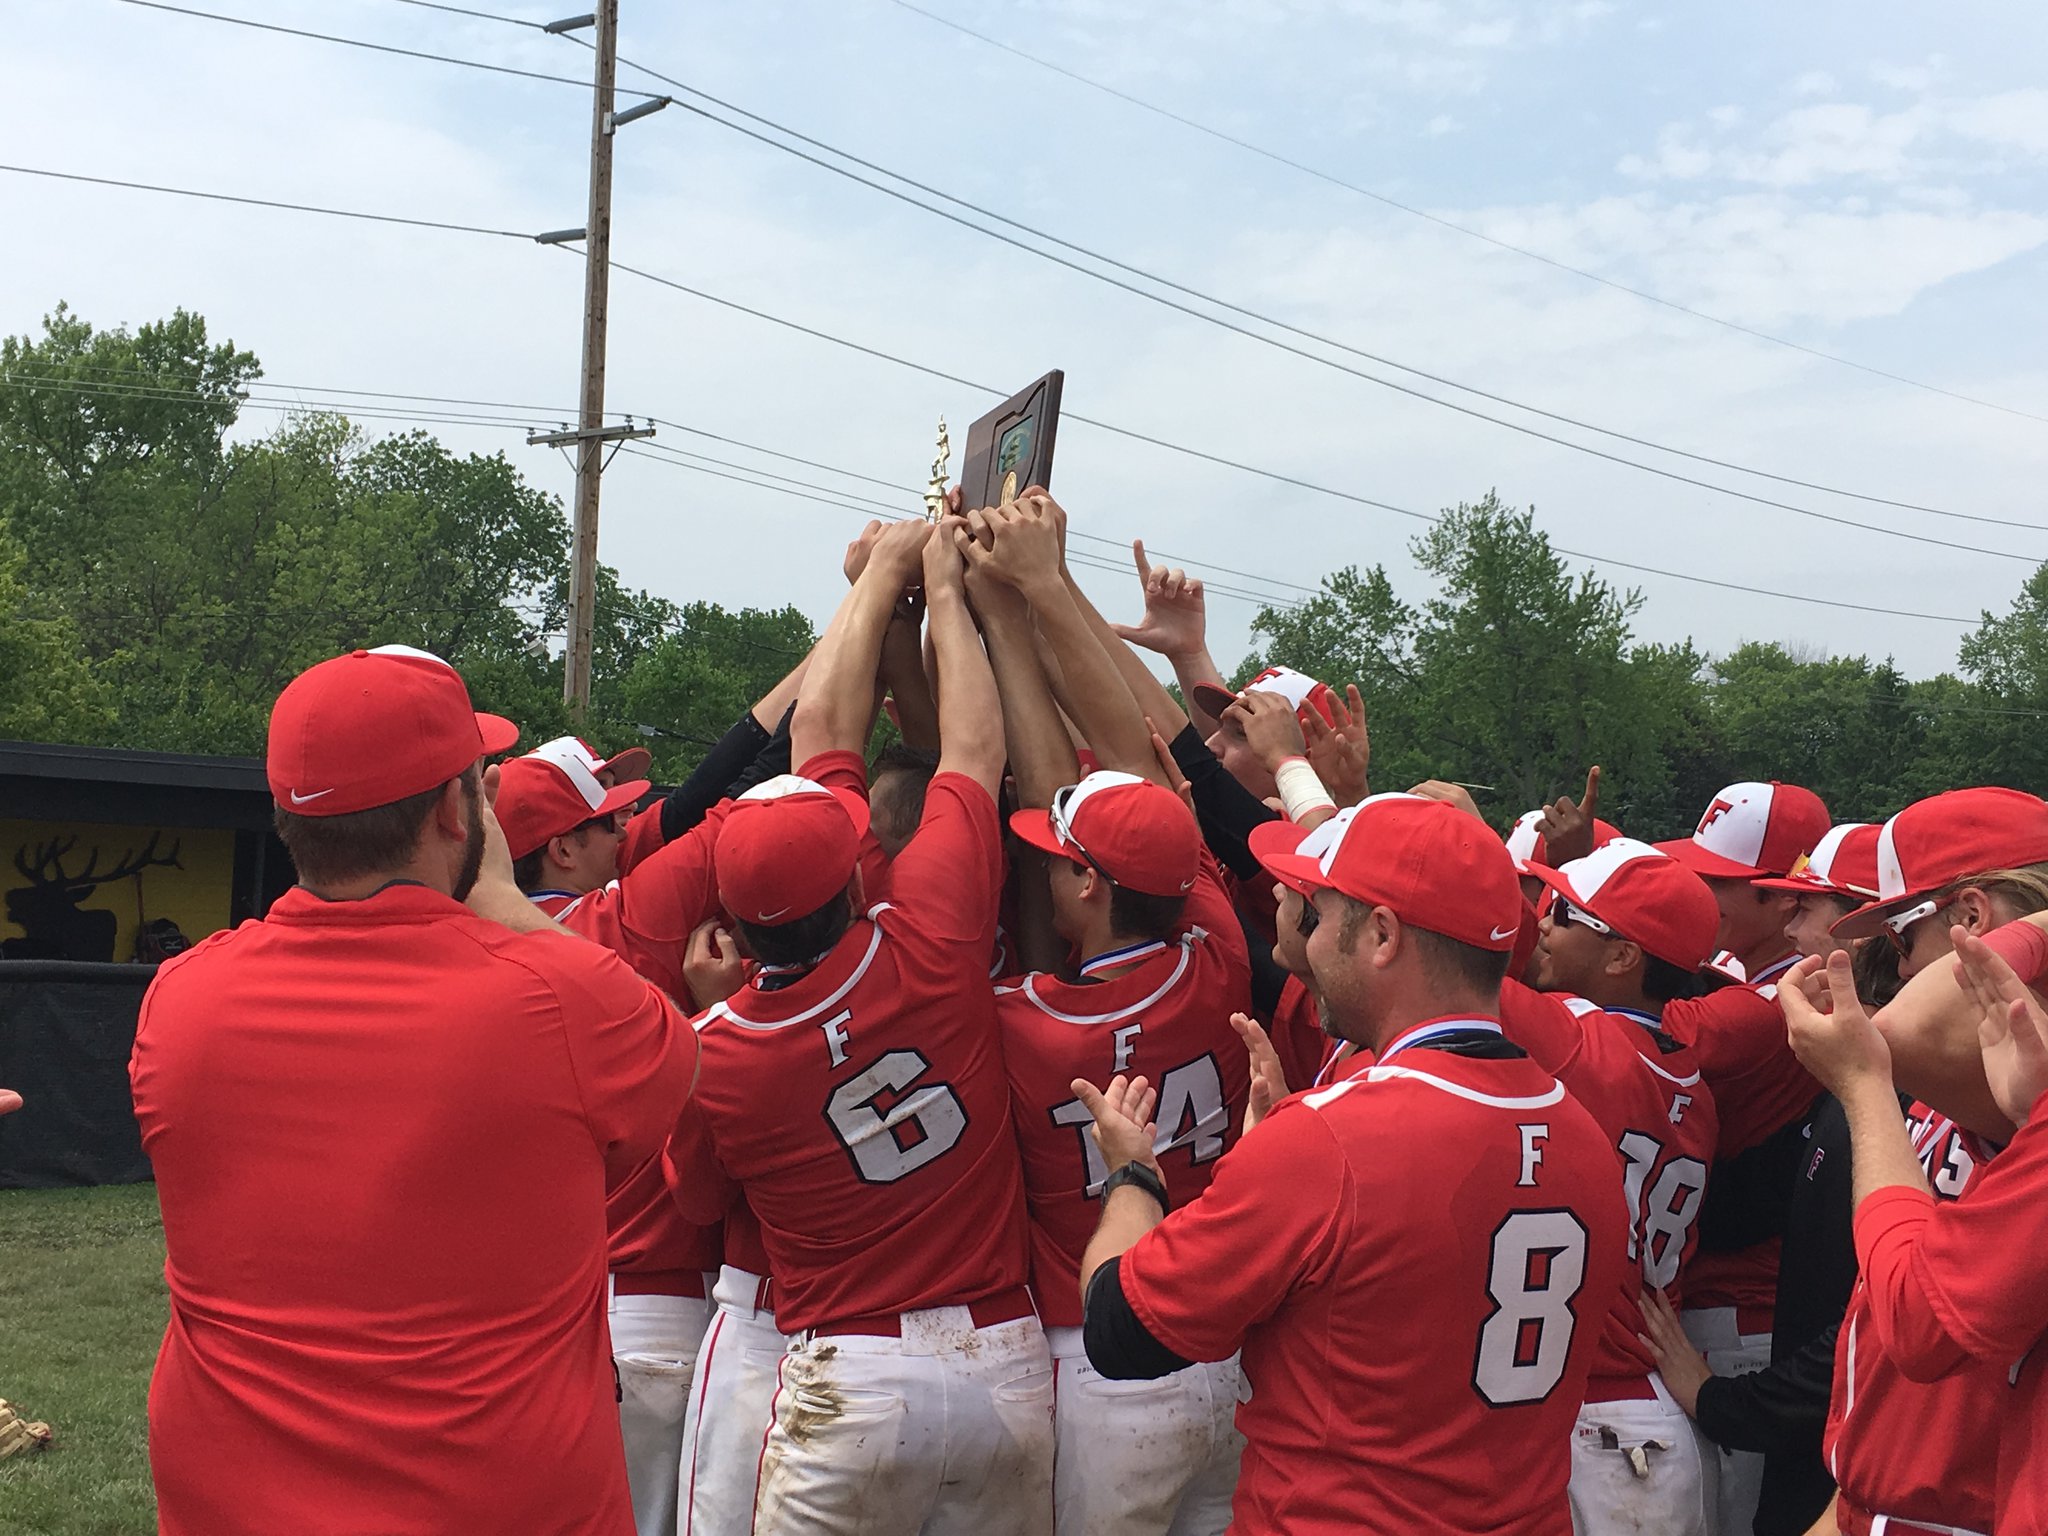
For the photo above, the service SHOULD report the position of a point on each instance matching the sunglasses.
(1310, 917)
(1063, 829)
(1562, 911)
(1896, 925)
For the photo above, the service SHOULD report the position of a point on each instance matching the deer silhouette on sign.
(54, 926)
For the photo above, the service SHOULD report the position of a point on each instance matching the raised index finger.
(1138, 554)
(1591, 802)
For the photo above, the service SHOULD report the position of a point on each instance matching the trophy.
(935, 488)
(1011, 447)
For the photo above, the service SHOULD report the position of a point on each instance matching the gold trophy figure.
(935, 489)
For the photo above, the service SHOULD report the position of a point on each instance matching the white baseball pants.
(1636, 1467)
(654, 1345)
(946, 1431)
(1734, 1479)
(1142, 1458)
(732, 1397)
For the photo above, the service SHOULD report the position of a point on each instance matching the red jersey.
(1416, 1262)
(382, 1133)
(1168, 1017)
(1738, 1037)
(1645, 1091)
(863, 1108)
(1916, 1450)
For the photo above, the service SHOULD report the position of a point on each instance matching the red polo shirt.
(383, 1131)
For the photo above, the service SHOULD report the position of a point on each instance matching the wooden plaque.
(1011, 447)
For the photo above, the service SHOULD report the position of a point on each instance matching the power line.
(357, 42)
(1450, 224)
(1275, 322)
(264, 202)
(1372, 378)
(1217, 321)
(1277, 476)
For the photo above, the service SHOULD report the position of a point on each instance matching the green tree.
(47, 693)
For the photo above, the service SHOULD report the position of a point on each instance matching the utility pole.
(591, 434)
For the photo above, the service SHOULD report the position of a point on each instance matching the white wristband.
(1300, 790)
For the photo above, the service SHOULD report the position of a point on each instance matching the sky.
(1867, 180)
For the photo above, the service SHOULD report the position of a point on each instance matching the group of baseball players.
(1103, 1114)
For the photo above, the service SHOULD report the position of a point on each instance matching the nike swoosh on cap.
(769, 917)
(299, 799)
(1507, 932)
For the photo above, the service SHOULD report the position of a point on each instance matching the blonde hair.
(2020, 891)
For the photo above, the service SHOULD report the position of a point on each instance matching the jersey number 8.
(1537, 1264)
(886, 1144)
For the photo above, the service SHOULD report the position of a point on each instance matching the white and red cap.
(1645, 896)
(1938, 841)
(788, 846)
(626, 763)
(1526, 845)
(1297, 688)
(1134, 832)
(1752, 829)
(1844, 863)
(374, 727)
(1432, 865)
(553, 790)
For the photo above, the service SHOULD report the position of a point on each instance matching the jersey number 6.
(1537, 1265)
(886, 1144)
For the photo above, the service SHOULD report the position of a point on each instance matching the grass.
(82, 1309)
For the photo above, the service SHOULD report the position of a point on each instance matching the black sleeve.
(706, 785)
(1776, 1409)
(1226, 809)
(1267, 977)
(773, 758)
(1118, 1345)
(1750, 1194)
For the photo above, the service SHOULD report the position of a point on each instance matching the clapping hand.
(1832, 1033)
(2012, 1026)
(1123, 1128)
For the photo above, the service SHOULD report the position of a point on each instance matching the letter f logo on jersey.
(1715, 812)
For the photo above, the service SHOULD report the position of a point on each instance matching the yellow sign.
(82, 890)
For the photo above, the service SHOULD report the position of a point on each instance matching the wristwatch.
(1145, 1178)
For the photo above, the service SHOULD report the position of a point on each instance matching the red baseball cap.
(1644, 896)
(1844, 863)
(1526, 845)
(1938, 841)
(788, 846)
(1432, 865)
(1136, 833)
(552, 790)
(1297, 688)
(1752, 829)
(374, 727)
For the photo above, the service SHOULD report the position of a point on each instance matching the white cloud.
(1815, 82)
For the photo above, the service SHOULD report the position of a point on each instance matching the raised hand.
(1271, 728)
(898, 551)
(713, 968)
(1175, 621)
(944, 566)
(858, 551)
(10, 1101)
(1123, 1127)
(2012, 1026)
(1027, 548)
(1832, 1033)
(1339, 749)
(1269, 1080)
(1567, 826)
